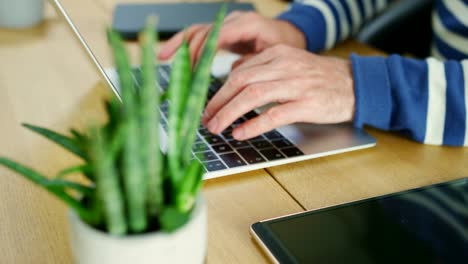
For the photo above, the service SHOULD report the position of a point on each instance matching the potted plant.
(138, 204)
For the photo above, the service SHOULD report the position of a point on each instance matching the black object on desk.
(129, 19)
(424, 225)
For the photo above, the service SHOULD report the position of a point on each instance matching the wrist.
(291, 35)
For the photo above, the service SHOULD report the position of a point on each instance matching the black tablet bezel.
(277, 251)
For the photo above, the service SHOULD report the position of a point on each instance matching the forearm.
(327, 22)
(424, 99)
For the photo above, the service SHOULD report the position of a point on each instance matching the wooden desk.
(45, 79)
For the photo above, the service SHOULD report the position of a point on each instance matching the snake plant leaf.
(117, 140)
(152, 161)
(82, 189)
(64, 141)
(107, 184)
(40, 180)
(171, 219)
(185, 196)
(79, 137)
(83, 169)
(114, 110)
(179, 86)
(163, 97)
(199, 87)
(133, 174)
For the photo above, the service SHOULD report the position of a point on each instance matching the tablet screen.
(427, 225)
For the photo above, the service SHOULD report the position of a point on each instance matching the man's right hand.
(245, 33)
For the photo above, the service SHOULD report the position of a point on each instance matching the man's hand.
(309, 88)
(245, 33)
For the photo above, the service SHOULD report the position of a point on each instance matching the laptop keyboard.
(218, 152)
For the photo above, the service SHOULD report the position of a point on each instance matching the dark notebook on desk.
(129, 19)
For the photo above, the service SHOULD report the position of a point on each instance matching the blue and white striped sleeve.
(450, 28)
(424, 99)
(327, 22)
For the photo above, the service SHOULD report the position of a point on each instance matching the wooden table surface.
(45, 79)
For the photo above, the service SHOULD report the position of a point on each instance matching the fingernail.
(238, 133)
(213, 124)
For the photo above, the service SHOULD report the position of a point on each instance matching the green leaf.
(133, 175)
(80, 137)
(114, 111)
(178, 95)
(152, 161)
(40, 180)
(85, 190)
(107, 184)
(117, 140)
(64, 141)
(163, 97)
(199, 87)
(185, 196)
(84, 169)
(171, 219)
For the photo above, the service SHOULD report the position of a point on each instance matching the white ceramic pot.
(186, 245)
(21, 13)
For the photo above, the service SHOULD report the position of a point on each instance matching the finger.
(170, 47)
(233, 15)
(274, 117)
(236, 82)
(263, 57)
(237, 34)
(197, 42)
(253, 96)
(241, 60)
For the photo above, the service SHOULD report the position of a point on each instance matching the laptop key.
(272, 154)
(282, 143)
(215, 85)
(204, 132)
(222, 148)
(214, 165)
(199, 147)
(257, 138)
(261, 144)
(213, 139)
(250, 155)
(238, 144)
(251, 115)
(211, 94)
(238, 121)
(273, 135)
(206, 156)
(227, 135)
(232, 159)
(292, 152)
(166, 68)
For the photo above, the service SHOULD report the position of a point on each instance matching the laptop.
(221, 154)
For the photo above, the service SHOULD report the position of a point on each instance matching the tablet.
(129, 19)
(424, 225)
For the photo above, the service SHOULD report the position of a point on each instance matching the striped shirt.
(424, 99)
